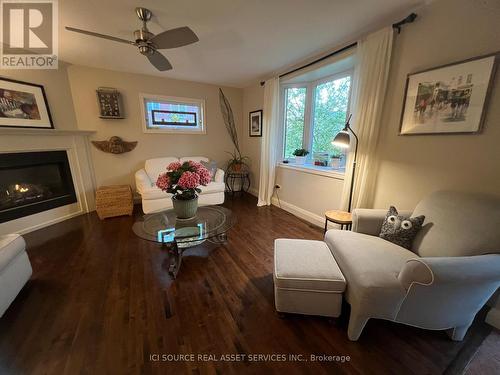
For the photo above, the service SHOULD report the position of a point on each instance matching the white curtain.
(369, 87)
(269, 142)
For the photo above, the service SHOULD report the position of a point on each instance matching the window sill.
(314, 169)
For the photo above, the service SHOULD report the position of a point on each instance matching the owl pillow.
(399, 229)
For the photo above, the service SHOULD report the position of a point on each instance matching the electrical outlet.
(277, 186)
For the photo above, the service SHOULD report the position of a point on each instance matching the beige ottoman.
(307, 279)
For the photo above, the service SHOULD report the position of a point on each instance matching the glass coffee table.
(175, 235)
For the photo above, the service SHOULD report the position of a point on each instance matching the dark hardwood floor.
(101, 302)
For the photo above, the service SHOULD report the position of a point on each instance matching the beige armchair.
(451, 271)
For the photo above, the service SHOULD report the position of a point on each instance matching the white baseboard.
(493, 317)
(297, 211)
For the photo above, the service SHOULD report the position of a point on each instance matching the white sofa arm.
(142, 181)
(369, 221)
(219, 176)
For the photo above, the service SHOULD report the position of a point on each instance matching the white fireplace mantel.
(77, 145)
(47, 132)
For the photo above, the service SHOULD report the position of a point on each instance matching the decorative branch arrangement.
(237, 163)
(227, 115)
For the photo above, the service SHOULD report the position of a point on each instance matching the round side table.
(343, 218)
(244, 180)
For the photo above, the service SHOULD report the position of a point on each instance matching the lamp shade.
(342, 139)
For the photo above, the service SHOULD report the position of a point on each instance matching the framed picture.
(23, 105)
(255, 123)
(448, 99)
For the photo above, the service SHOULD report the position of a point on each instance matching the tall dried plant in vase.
(237, 161)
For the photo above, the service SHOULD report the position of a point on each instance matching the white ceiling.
(241, 41)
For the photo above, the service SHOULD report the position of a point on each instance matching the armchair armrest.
(142, 181)
(447, 292)
(219, 176)
(369, 221)
(451, 270)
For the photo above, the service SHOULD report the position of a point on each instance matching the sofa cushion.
(213, 187)
(306, 265)
(211, 167)
(10, 246)
(156, 166)
(193, 158)
(155, 193)
(371, 266)
(458, 224)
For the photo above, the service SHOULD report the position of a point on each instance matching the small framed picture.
(448, 99)
(23, 105)
(255, 123)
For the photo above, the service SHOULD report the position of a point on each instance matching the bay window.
(313, 113)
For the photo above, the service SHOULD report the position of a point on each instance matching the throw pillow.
(399, 229)
(211, 166)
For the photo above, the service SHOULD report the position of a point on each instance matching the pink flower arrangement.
(182, 180)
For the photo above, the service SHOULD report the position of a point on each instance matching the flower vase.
(185, 209)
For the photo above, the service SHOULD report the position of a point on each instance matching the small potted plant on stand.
(182, 181)
(237, 163)
(300, 155)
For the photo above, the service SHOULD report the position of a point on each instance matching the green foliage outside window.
(295, 104)
(329, 113)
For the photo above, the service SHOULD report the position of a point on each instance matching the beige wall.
(413, 166)
(253, 99)
(308, 195)
(120, 169)
(57, 90)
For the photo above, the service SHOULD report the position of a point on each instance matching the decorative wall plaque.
(110, 103)
(115, 145)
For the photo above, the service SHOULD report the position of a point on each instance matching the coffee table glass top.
(165, 227)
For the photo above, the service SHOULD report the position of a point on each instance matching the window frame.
(310, 86)
(181, 129)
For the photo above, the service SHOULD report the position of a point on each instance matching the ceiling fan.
(149, 43)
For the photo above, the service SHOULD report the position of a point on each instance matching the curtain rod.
(409, 19)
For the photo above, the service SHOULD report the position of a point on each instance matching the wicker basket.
(114, 201)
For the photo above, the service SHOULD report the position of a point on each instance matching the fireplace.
(32, 182)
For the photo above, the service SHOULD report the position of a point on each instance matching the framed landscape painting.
(23, 105)
(255, 124)
(448, 99)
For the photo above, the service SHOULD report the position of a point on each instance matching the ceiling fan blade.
(91, 33)
(174, 38)
(159, 61)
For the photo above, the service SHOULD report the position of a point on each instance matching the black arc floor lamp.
(343, 140)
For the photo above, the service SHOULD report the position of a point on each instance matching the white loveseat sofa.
(154, 199)
(449, 274)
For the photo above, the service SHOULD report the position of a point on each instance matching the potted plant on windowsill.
(300, 156)
(183, 181)
(336, 158)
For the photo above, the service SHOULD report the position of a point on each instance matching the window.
(167, 114)
(295, 99)
(313, 113)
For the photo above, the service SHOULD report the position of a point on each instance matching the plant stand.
(232, 179)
